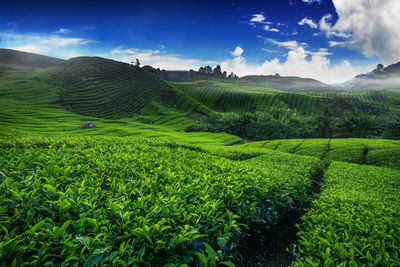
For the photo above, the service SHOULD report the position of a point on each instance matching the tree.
(217, 72)
(209, 70)
(202, 71)
(231, 76)
(379, 68)
(136, 63)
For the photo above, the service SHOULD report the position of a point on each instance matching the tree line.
(281, 122)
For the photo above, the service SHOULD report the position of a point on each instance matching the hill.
(382, 78)
(14, 57)
(289, 84)
(119, 98)
(99, 87)
(250, 94)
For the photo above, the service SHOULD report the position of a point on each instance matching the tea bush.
(356, 221)
(131, 201)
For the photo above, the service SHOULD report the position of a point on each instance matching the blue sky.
(331, 40)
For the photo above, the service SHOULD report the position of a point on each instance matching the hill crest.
(25, 59)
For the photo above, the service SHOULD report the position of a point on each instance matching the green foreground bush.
(131, 201)
(356, 221)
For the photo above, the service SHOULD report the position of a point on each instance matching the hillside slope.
(106, 88)
(289, 84)
(14, 57)
(119, 98)
(381, 78)
(230, 96)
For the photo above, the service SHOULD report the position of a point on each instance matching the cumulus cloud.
(374, 26)
(159, 59)
(298, 62)
(309, 22)
(326, 27)
(237, 52)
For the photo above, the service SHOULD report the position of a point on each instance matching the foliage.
(356, 220)
(126, 201)
(280, 122)
(385, 157)
(105, 88)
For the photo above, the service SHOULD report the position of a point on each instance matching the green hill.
(14, 57)
(99, 87)
(254, 95)
(119, 98)
(289, 84)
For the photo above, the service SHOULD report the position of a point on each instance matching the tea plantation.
(140, 190)
(134, 201)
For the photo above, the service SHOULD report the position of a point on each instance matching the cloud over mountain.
(373, 24)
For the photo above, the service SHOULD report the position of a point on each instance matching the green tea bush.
(131, 201)
(348, 150)
(389, 158)
(356, 221)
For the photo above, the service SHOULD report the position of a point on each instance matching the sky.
(328, 40)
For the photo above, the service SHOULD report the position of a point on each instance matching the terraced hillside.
(289, 84)
(378, 152)
(119, 98)
(99, 87)
(238, 96)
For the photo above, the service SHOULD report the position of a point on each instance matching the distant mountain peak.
(378, 79)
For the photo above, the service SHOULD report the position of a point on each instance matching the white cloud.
(336, 43)
(159, 59)
(49, 44)
(296, 64)
(29, 48)
(64, 31)
(311, 1)
(309, 22)
(269, 29)
(287, 44)
(374, 25)
(238, 52)
(326, 27)
(293, 45)
(258, 18)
